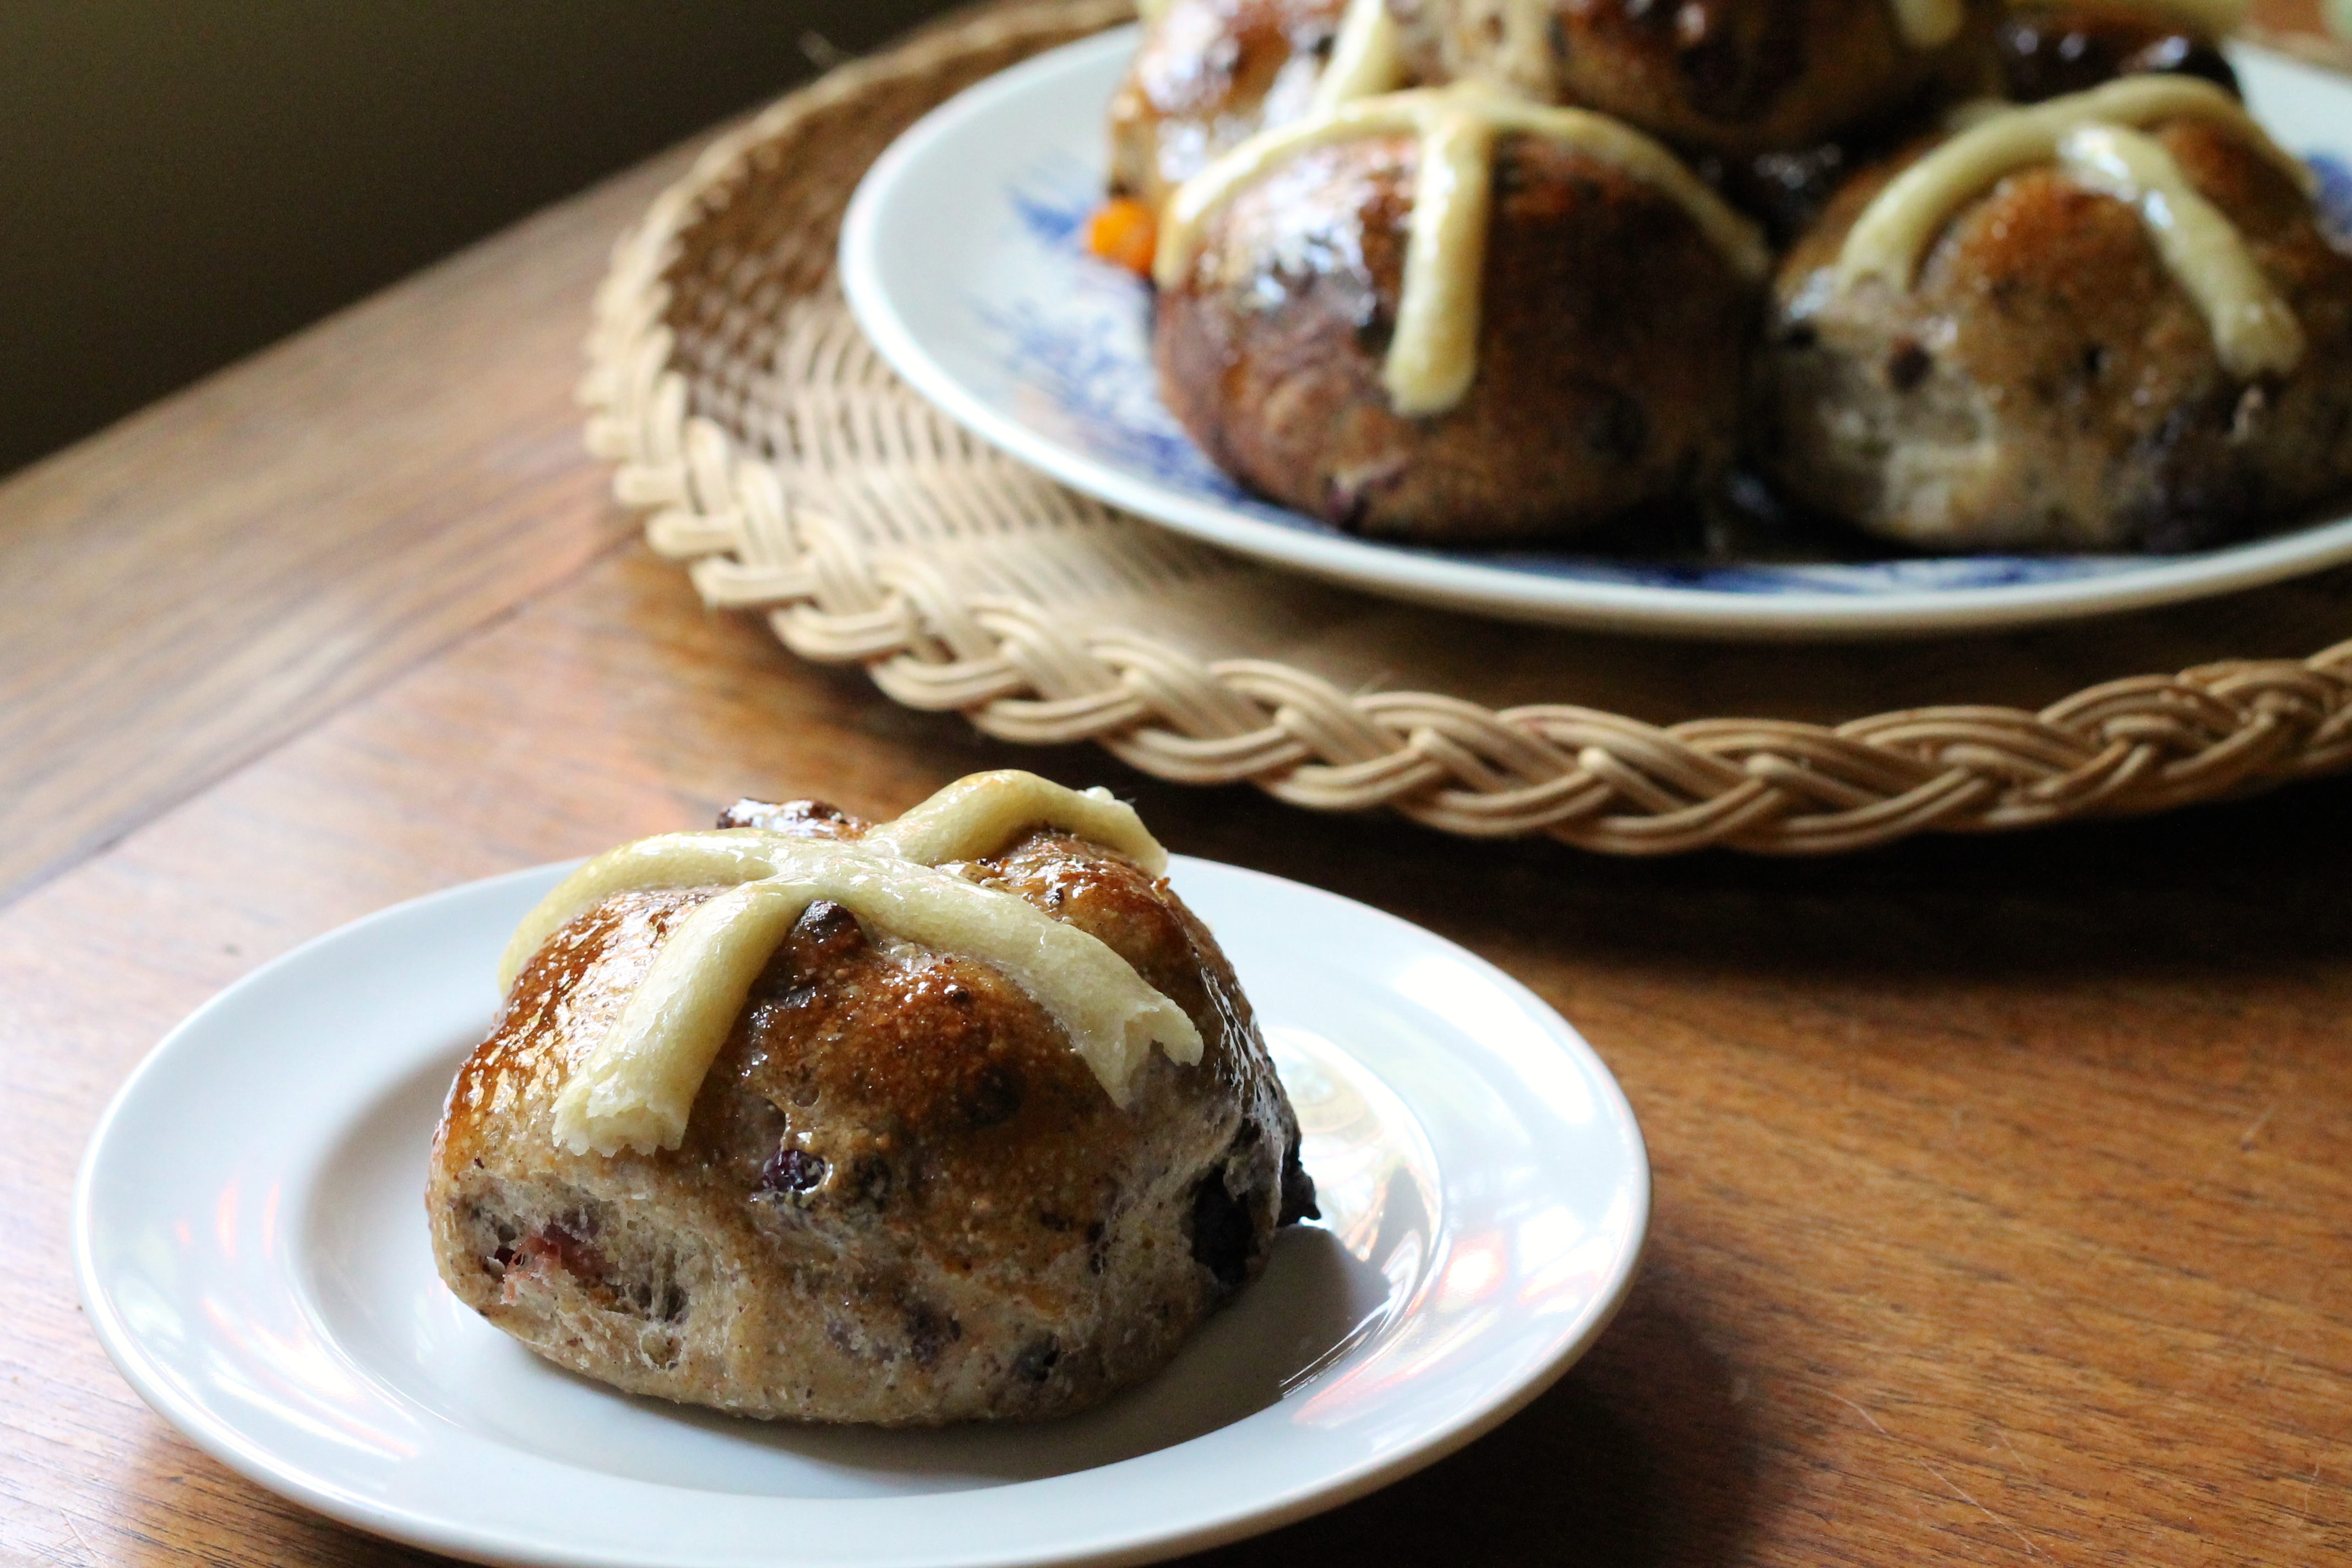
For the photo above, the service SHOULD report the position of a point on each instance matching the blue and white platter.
(963, 261)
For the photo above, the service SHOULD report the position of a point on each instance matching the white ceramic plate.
(961, 256)
(250, 1242)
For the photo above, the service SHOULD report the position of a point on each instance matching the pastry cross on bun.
(960, 1117)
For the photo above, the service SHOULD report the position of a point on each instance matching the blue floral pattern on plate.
(1074, 345)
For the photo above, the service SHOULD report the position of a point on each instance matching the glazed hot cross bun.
(1450, 315)
(2110, 321)
(1209, 75)
(961, 1117)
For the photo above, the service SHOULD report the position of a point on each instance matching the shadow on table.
(1641, 1455)
(2243, 888)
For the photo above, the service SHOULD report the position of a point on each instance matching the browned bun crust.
(1734, 77)
(1210, 74)
(1608, 348)
(2047, 385)
(902, 1196)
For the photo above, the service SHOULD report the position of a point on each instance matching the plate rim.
(1796, 614)
(302, 1481)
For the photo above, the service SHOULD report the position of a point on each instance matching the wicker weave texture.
(793, 471)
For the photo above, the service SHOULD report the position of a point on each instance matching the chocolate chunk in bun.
(2046, 49)
(959, 1117)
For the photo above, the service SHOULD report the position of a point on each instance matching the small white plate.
(963, 259)
(249, 1237)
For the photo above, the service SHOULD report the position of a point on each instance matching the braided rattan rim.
(659, 398)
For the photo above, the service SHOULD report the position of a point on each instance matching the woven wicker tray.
(797, 476)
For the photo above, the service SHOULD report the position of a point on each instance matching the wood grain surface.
(215, 573)
(2002, 1204)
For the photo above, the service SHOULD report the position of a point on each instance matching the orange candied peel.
(1124, 232)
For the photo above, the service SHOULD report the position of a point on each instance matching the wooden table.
(2002, 1196)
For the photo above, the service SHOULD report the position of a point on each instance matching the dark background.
(183, 181)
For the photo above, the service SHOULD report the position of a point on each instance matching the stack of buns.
(1963, 275)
